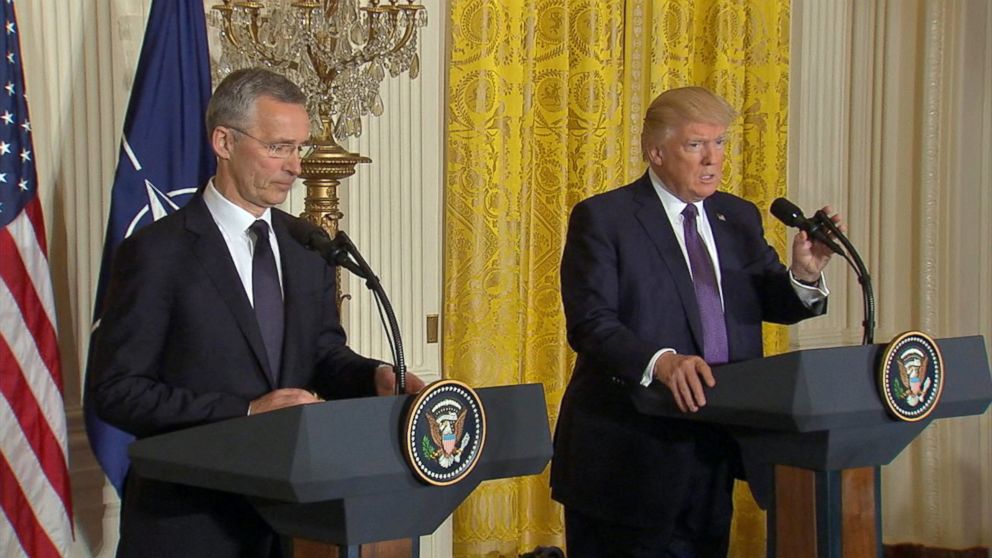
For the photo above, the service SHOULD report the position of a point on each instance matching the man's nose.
(707, 154)
(712, 155)
(294, 163)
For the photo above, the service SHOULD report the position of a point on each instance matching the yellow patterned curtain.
(546, 99)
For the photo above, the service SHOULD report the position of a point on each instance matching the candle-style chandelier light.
(338, 52)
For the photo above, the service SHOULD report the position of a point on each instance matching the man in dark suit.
(661, 279)
(215, 312)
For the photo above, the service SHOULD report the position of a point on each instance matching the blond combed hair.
(680, 106)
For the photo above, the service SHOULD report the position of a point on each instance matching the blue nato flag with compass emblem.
(164, 159)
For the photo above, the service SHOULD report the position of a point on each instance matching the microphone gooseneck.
(341, 251)
(393, 330)
(864, 279)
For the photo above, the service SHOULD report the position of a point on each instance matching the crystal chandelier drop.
(338, 52)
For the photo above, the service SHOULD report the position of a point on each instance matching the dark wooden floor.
(917, 551)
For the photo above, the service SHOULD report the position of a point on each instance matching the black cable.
(372, 282)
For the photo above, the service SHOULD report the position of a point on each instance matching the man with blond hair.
(661, 279)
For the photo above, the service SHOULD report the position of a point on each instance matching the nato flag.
(164, 159)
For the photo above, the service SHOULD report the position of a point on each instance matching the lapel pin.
(721, 217)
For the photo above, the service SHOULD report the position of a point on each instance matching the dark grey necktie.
(707, 291)
(267, 296)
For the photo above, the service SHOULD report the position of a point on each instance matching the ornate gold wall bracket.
(323, 171)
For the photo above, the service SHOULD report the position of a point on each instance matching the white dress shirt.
(233, 223)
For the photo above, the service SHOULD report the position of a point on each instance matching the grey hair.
(233, 102)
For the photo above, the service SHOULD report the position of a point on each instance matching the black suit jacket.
(179, 346)
(627, 293)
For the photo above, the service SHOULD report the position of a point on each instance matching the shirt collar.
(231, 218)
(672, 204)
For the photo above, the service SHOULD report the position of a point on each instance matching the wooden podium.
(813, 431)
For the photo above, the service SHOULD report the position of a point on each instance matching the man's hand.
(685, 375)
(385, 381)
(281, 398)
(810, 257)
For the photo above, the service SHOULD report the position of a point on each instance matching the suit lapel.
(651, 215)
(295, 297)
(726, 235)
(212, 253)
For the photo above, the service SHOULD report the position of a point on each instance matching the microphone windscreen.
(306, 233)
(787, 212)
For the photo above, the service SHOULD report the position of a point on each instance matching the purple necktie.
(267, 296)
(707, 291)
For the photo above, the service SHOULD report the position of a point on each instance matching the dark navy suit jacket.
(179, 346)
(627, 293)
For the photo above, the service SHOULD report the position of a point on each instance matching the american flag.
(36, 518)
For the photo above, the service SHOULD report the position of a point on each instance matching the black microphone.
(788, 213)
(334, 252)
(792, 216)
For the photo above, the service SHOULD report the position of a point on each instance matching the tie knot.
(690, 212)
(260, 229)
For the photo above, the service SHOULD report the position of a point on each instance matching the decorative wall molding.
(819, 138)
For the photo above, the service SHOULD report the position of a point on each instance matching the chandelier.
(338, 52)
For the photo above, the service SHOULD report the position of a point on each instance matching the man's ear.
(654, 155)
(222, 141)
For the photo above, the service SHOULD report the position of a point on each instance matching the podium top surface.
(338, 449)
(824, 389)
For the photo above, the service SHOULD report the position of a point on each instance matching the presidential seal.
(911, 376)
(445, 433)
